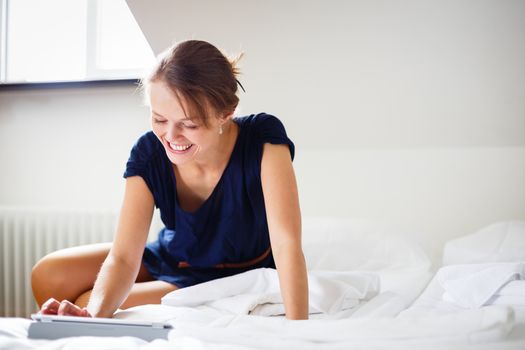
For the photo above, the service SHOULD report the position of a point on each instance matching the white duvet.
(205, 328)
(257, 292)
(363, 296)
(200, 323)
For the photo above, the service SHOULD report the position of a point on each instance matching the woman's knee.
(47, 278)
(147, 293)
(67, 273)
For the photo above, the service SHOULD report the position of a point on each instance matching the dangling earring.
(220, 129)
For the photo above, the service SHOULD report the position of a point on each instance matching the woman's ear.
(229, 115)
(226, 116)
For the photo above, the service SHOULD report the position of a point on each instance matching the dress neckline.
(217, 186)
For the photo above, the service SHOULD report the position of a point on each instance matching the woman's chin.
(181, 157)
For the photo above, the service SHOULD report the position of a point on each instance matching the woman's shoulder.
(264, 128)
(260, 124)
(148, 142)
(146, 147)
(256, 120)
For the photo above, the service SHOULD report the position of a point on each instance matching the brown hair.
(201, 77)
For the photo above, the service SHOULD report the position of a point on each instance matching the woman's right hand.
(66, 308)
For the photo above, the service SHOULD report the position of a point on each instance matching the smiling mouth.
(179, 148)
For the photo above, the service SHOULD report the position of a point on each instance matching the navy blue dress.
(230, 227)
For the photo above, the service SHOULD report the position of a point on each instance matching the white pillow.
(354, 244)
(499, 242)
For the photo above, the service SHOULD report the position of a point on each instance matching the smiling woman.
(225, 188)
(191, 99)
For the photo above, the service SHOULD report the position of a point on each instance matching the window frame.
(120, 76)
(3, 40)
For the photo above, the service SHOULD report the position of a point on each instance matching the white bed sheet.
(257, 292)
(372, 325)
(204, 328)
(433, 302)
(399, 317)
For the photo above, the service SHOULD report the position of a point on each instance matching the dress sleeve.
(271, 130)
(140, 160)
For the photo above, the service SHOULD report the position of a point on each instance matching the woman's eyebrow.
(160, 115)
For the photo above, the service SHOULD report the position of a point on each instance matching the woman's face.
(183, 139)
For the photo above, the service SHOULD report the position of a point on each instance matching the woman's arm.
(284, 223)
(119, 271)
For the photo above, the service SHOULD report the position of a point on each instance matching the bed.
(369, 288)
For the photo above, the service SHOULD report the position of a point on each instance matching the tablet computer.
(55, 327)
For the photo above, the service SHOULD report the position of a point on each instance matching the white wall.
(369, 73)
(67, 147)
(409, 113)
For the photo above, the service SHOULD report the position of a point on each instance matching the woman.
(225, 189)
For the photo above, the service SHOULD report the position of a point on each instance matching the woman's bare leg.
(70, 273)
(141, 293)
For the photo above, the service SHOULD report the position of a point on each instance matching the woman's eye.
(159, 121)
(190, 126)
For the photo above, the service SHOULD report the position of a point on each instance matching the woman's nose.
(173, 132)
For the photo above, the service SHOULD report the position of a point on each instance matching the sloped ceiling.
(164, 22)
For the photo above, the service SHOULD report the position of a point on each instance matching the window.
(70, 40)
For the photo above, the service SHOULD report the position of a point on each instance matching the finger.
(85, 312)
(49, 301)
(67, 308)
(50, 307)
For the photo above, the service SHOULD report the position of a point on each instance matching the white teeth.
(179, 147)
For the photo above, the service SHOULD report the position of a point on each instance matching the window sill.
(68, 84)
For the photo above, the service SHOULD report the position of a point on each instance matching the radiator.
(27, 235)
